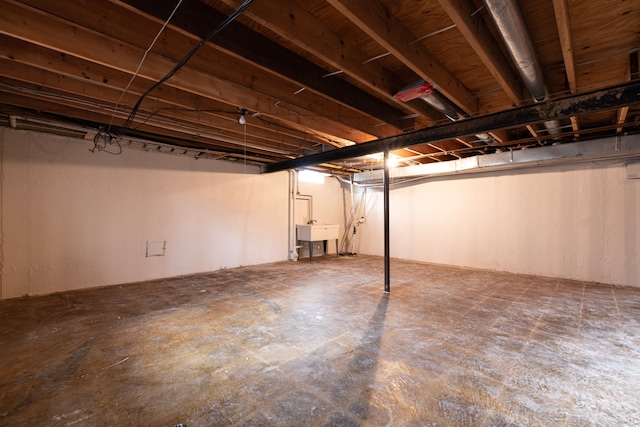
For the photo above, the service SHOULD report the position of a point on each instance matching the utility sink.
(316, 232)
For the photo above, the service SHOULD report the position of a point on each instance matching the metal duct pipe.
(509, 20)
(553, 127)
(621, 148)
(439, 102)
(595, 101)
(443, 105)
(507, 16)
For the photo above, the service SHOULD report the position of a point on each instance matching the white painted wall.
(576, 222)
(72, 219)
(330, 206)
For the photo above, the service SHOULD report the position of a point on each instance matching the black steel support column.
(387, 255)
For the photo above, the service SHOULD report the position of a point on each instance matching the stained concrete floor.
(317, 343)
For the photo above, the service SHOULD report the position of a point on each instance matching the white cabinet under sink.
(318, 232)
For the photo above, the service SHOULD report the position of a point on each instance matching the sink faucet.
(311, 221)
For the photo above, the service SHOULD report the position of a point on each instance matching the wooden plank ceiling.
(312, 75)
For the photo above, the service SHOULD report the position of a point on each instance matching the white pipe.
(353, 218)
(292, 250)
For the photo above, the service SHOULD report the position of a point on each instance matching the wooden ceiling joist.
(196, 19)
(373, 18)
(632, 74)
(86, 44)
(23, 66)
(475, 31)
(564, 30)
(297, 25)
(561, 11)
(165, 132)
(313, 75)
(596, 101)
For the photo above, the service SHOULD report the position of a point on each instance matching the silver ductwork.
(443, 105)
(619, 148)
(509, 20)
(553, 128)
(426, 92)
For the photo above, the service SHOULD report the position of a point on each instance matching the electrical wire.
(102, 139)
(183, 61)
(115, 110)
(104, 136)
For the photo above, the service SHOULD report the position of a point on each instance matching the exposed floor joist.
(248, 45)
(607, 99)
(477, 34)
(373, 18)
(312, 75)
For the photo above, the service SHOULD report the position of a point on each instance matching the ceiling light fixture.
(393, 162)
(242, 120)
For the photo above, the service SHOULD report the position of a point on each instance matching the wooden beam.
(20, 21)
(464, 142)
(632, 74)
(196, 19)
(500, 135)
(564, 30)
(80, 71)
(592, 102)
(561, 11)
(533, 131)
(621, 118)
(375, 20)
(155, 111)
(474, 29)
(575, 126)
(295, 24)
(440, 149)
(234, 69)
(81, 108)
(94, 115)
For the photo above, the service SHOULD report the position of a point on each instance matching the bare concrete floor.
(317, 343)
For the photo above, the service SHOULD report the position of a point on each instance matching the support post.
(387, 255)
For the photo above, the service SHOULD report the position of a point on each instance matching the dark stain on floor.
(318, 343)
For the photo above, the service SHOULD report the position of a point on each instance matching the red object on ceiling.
(414, 91)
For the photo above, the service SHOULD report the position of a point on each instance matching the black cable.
(184, 60)
(100, 141)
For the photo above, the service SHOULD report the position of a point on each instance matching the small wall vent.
(633, 170)
(156, 247)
